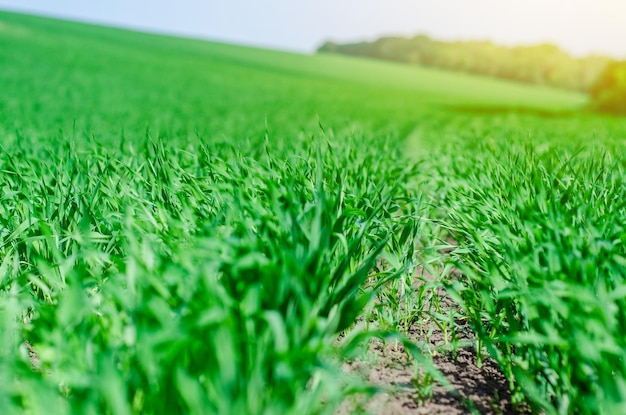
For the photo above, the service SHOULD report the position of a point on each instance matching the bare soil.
(387, 367)
(479, 388)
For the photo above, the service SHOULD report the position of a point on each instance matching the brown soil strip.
(387, 367)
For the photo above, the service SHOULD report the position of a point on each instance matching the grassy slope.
(60, 75)
(90, 81)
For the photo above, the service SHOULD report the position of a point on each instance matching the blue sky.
(580, 26)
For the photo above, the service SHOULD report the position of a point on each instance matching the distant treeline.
(608, 94)
(543, 64)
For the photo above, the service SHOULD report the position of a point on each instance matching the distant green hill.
(60, 75)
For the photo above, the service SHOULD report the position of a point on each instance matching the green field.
(189, 227)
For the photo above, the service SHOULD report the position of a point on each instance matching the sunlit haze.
(579, 26)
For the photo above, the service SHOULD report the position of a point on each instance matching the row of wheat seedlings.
(542, 251)
(195, 279)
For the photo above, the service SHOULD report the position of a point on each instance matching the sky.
(579, 26)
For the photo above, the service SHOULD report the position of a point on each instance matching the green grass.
(187, 226)
(540, 227)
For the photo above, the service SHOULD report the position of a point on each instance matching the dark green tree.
(609, 92)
